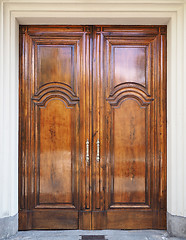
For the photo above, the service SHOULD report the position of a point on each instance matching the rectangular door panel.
(55, 150)
(56, 61)
(130, 60)
(55, 110)
(129, 165)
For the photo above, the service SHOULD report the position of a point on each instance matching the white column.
(184, 114)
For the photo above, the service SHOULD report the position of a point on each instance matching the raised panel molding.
(57, 90)
(126, 91)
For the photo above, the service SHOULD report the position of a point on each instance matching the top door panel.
(129, 64)
(56, 64)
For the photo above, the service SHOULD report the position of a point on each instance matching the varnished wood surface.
(92, 82)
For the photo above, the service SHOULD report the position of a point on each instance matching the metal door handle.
(97, 156)
(87, 151)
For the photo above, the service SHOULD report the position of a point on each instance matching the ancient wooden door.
(92, 129)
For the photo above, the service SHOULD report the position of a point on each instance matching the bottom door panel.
(48, 219)
(128, 219)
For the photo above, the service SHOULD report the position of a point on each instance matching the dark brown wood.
(92, 82)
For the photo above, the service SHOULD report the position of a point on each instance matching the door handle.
(87, 151)
(97, 156)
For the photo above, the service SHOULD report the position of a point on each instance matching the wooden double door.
(92, 127)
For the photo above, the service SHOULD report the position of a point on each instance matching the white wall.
(8, 119)
(171, 12)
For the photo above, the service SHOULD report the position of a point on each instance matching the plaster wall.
(124, 12)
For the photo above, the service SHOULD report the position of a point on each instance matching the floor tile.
(110, 235)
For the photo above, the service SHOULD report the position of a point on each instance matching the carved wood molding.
(126, 91)
(55, 90)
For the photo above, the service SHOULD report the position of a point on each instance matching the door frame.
(171, 13)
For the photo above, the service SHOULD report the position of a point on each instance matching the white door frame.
(124, 12)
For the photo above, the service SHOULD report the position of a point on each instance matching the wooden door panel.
(129, 100)
(55, 158)
(55, 110)
(57, 62)
(129, 220)
(53, 163)
(128, 177)
(126, 107)
(129, 64)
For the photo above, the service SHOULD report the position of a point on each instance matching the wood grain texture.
(55, 161)
(129, 153)
(92, 82)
